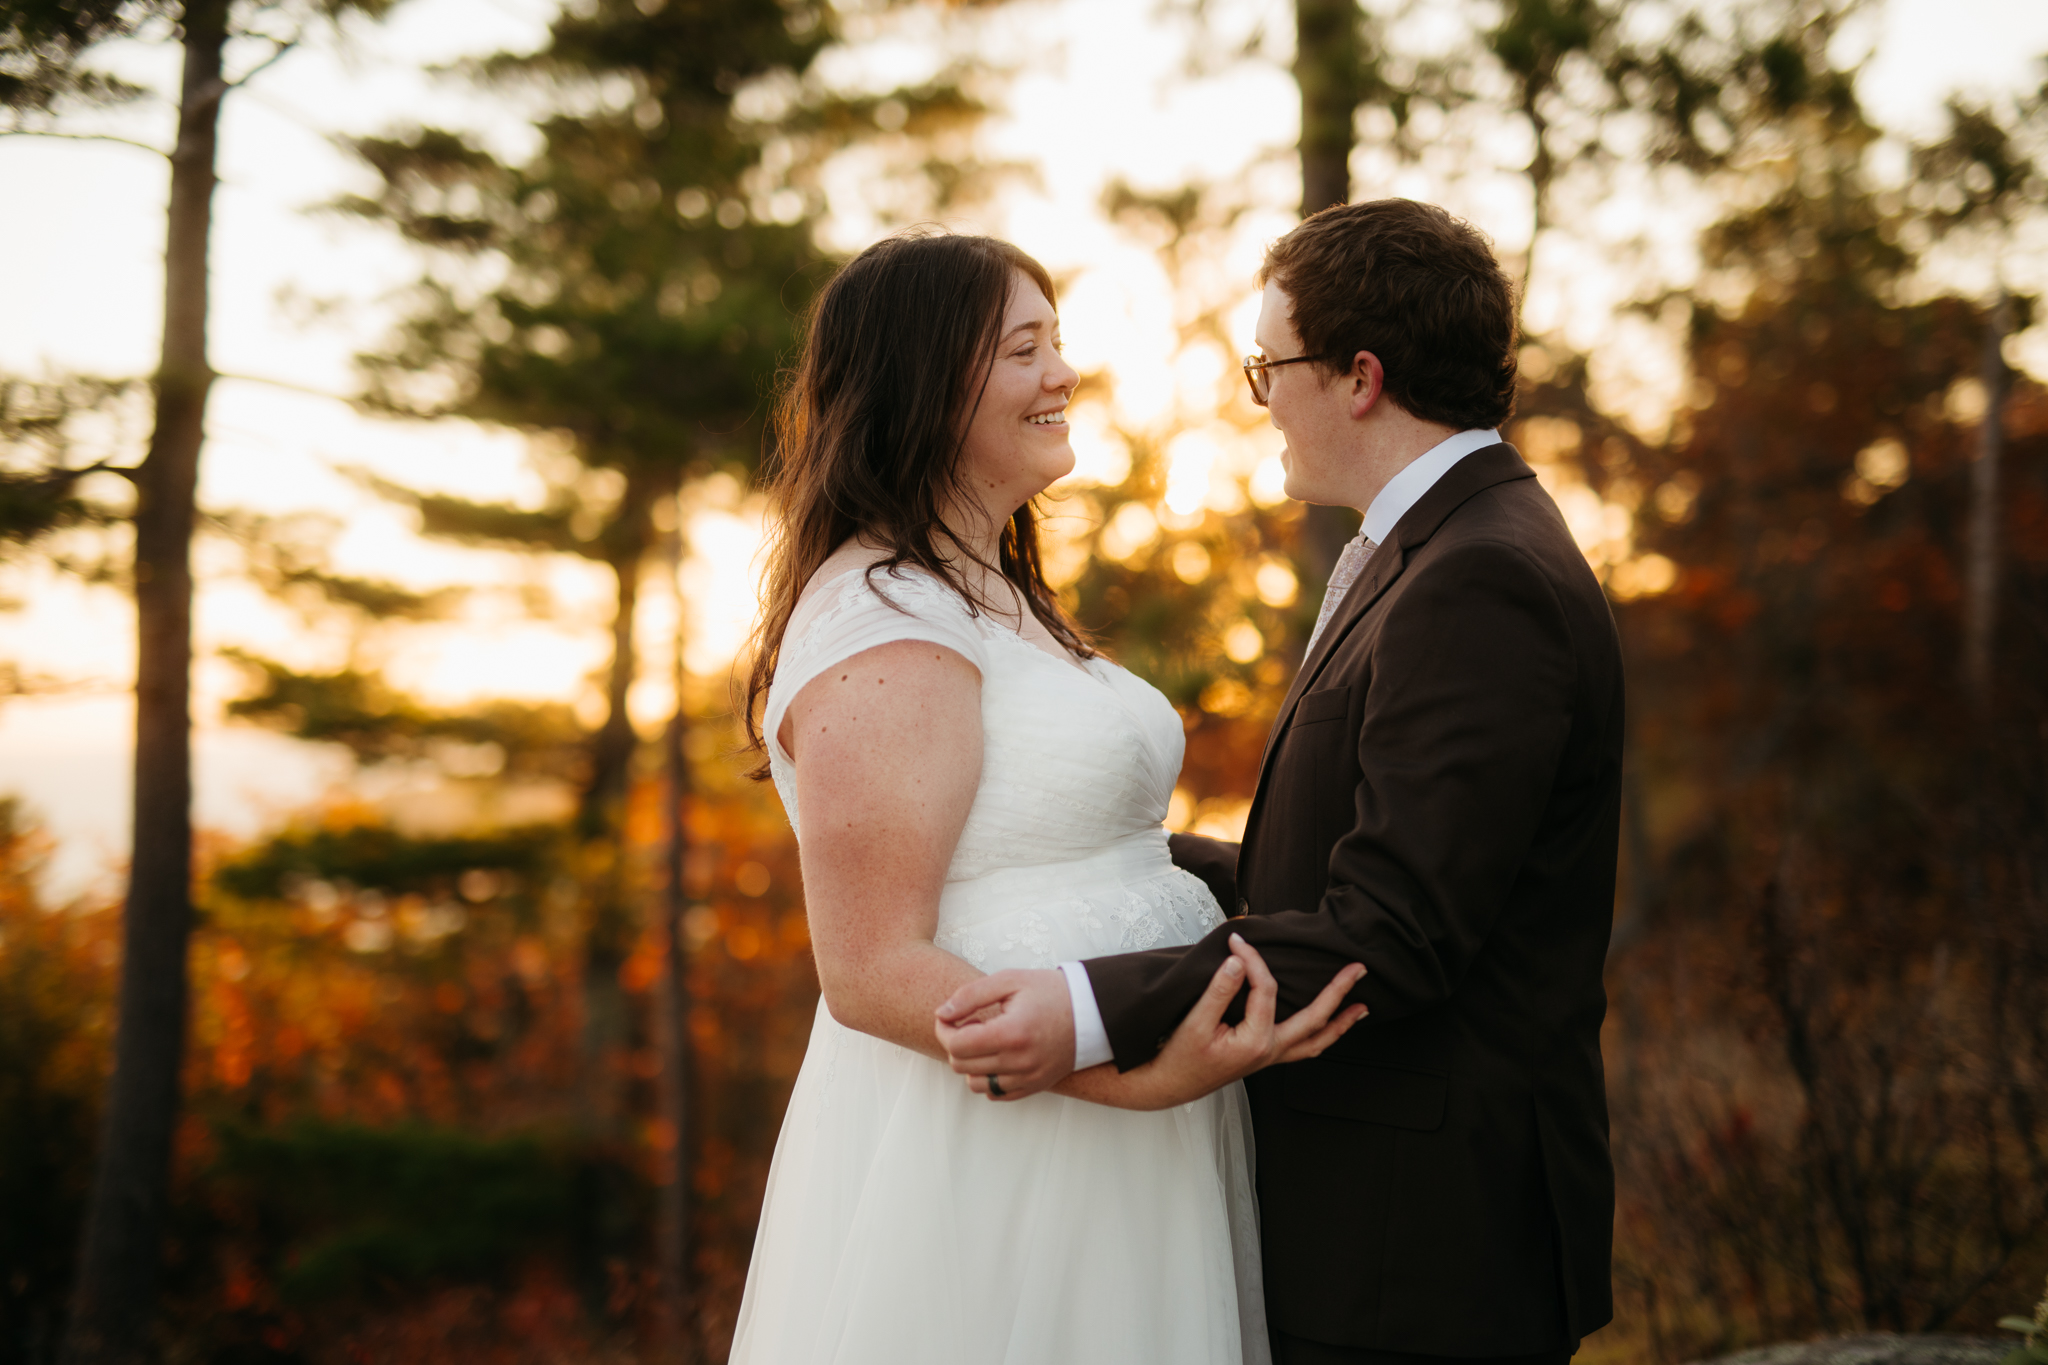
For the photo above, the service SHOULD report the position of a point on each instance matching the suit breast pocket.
(1332, 703)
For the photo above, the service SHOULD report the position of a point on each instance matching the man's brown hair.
(1418, 288)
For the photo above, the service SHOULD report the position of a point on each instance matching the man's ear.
(1368, 383)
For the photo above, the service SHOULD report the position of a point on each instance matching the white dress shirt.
(1403, 491)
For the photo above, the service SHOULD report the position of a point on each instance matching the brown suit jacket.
(1440, 800)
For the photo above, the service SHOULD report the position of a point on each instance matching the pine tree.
(45, 73)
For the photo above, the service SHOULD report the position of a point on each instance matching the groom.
(1439, 800)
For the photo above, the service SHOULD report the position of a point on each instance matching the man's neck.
(1399, 442)
(1417, 477)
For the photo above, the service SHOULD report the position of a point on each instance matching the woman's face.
(1016, 444)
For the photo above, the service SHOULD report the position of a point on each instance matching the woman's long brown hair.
(870, 425)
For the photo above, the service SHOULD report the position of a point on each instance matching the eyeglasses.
(1261, 382)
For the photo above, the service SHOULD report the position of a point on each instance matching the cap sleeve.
(861, 611)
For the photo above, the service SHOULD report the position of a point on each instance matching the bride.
(973, 788)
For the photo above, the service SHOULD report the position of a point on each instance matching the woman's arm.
(888, 756)
(1204, 1054)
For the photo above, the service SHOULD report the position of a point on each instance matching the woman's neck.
(975, 546)
(974, 552)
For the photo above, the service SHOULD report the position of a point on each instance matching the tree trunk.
(1980, 601)
(1542, 172)
(600, 830)
(114, 1300)
(1329, 61)
(673, 1029)
(609, 924)
(611, 749)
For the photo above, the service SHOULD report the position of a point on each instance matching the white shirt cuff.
(1091, 1039)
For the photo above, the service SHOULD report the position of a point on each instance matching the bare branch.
(15, 683)
(290, 115)
(64, 476)
(285, 384)
(83, 137)
(126, 471)
(284, 45)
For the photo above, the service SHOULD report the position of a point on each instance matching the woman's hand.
(1204, 1054)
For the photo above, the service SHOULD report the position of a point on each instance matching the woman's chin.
(1056, 465)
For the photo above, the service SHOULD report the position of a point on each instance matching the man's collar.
(1406, 488)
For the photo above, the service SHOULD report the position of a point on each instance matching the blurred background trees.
(488, 1048)
(654, 256)
(1839, 774)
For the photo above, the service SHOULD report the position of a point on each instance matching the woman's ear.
(1368, 382)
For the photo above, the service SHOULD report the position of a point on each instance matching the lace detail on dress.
(1030, 936)
(1181, 914)
(1044, 926)
(966, 946)
(1141, 928)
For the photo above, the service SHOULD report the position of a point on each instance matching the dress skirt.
(909, 1221)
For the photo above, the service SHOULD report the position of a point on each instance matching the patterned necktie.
(1350, 564)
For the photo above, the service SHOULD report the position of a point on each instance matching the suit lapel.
(1380, 571)
(1480, 470)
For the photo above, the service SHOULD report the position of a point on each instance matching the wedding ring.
(995, 1088)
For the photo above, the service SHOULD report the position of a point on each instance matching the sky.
(297, 293)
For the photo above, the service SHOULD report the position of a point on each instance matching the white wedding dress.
(909, 1221)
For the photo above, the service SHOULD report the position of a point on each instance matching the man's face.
(1307, 406)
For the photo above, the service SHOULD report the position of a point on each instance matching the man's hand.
(1017, 1026)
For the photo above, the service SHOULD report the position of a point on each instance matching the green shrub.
(346, 1209)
